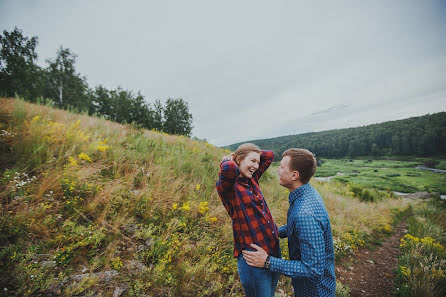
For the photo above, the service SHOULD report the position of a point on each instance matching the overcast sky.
(254, 69)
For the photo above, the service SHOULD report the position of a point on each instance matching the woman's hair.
(243, 150)
(303, 161)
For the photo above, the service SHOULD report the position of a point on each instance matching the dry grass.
(348, 214)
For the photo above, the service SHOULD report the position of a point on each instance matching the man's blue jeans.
(256, 282)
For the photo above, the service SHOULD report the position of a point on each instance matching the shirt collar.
(296, 194)
(243, 180)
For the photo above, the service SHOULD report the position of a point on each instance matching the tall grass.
(112, 197)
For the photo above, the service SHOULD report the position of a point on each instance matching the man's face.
(285, 173)
(249, 164)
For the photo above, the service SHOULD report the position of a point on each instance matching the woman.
(238, 188)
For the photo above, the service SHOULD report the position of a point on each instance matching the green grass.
(395, 175)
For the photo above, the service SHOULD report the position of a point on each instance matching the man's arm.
(312, 248)
(282, 232)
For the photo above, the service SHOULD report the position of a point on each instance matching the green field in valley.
(399, 175)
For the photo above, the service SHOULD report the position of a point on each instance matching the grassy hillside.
(90, 206)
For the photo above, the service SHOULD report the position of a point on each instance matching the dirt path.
(370, 273)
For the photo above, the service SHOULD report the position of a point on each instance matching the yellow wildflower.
(185, 206)
(35, 119)
(84, 156)
(102, 148)
(72, 161)
(438, 274)
(203, 207)
(405, 271)
(211, 219)
(197, 187)
(174, 206)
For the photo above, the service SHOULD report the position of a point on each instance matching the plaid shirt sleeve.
(229, 172)
(266, 158)
(312, 248)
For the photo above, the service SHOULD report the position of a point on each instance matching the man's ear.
(296, 175)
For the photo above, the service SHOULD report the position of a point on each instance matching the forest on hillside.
(60, 85)
(420, 136)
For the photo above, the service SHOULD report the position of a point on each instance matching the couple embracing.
(256, 236)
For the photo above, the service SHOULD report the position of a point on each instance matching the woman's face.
(249, 164)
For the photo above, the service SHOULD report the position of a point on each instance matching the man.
(308, 229)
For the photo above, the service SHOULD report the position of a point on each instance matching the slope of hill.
(93, 207)
(423, 136)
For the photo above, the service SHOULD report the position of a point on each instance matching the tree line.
(60, 85)
(420, 136)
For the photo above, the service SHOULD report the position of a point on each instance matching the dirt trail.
(371, 272)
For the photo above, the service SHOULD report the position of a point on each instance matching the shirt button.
(263, 212)
(273, 232)
(268, 223)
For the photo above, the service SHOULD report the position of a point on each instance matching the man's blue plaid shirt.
(310, 245)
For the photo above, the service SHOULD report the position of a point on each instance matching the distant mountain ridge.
(421, 136)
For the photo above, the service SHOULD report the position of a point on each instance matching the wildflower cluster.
(21, 180)
(116, 263)
(45, 205)
(102, 146)
(84, 156)
(203, 207)
(75, 192)
(68, 184)
(405, 271)
(173, 244)
(5, 134)
(223, 258)
(348, 244)
(386, 228)
(428, 242)
(185, 206)
(78, 237)
(72, 162)
(18, 181)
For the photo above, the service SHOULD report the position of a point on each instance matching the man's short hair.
(303, 161)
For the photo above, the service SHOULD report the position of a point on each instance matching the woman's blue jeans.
(256, 282)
